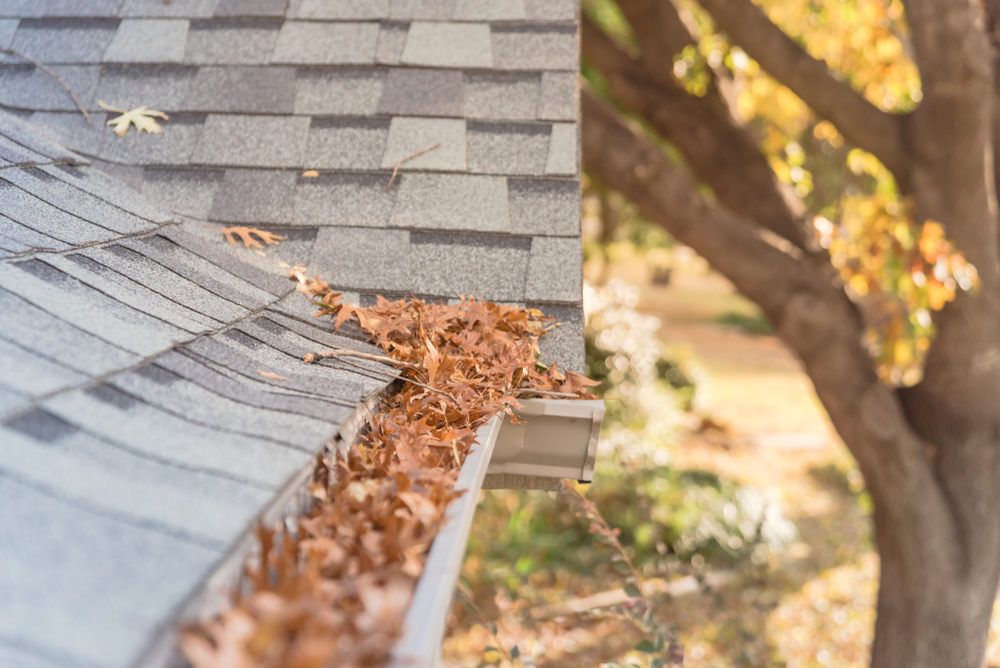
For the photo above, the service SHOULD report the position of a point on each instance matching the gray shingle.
(7, 29)
(501, 96)
(326, 43)
(128, 175)
(161, 388)
(531, 47)
(555, 271)
(452, 202)
(350, 143)
(42, 217)
(415, 92)
(256, 90)
(55, 41)
(34, 138)
(28, 372)
(110, 479)
(544, 207)
(356, 200)
(506, 148)
(551, 10)
(174, 8)
(363, 258)
(339, 92)
(71, 200)
(72, 128)
(73, 8)
(149, 431)
(40, 425)
(166, 282)
(448, 45)
(422, 9)
(454, 265)
(162, 88)
(557, 101)
(173, 146)
(110, 190)
(13, 657)
(188, 192)
(391, 39)
(88, 309)
(563, 150)
(88, 587)
(252, 141)
(28, 87)
(148, 41)
(265, 283)
(321, 330)
(564, 344)
(33, 328)
(249, 391)
(16, 238)
(254, 196)
(236, 43)
(275, 8)
(14, 153)
(409, 135)
(295, 248)
(132, 293)
(248, 356)
(489, 10)
(206, 274)
(339, 9)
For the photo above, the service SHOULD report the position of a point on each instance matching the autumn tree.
(872, 287)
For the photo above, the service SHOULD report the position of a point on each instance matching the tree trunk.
(931, 461)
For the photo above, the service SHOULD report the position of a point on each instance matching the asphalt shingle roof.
(130, 402)
(118, 442)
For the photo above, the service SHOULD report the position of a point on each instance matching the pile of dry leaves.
(334, 591)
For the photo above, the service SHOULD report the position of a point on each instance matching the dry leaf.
(143, 118)
(335, 591)
(272, 376)
(310, 173)
(247, 234)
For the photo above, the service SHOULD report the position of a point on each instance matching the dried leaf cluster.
(334, 590)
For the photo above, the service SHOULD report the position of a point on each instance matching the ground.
(812, 604)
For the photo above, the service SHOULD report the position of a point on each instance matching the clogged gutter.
(334, 589)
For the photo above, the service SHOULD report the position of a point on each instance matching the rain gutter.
(557, 439)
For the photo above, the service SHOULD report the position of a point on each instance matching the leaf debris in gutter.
(332, 587)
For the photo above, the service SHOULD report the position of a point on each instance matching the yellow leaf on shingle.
(143, 118)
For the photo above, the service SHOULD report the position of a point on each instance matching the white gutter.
(558, 439)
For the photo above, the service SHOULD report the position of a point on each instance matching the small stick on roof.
(48, 70)
(409, 157)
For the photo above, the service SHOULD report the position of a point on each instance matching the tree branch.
(814, 317)
(863, 124)
(722, 153)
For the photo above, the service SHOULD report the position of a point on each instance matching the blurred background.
(742, 512)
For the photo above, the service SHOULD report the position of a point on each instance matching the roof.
(259, 91)
(133, 337)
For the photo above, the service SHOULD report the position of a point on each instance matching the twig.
(409, 157)
(27, 165)
(48, 70)
(337, 353)
(397, 377)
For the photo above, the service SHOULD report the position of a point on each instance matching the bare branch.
(863, 124)
(339, 353)
(48, 70)
(723, 153)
